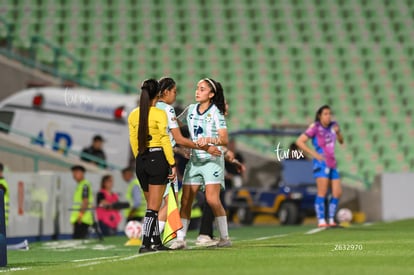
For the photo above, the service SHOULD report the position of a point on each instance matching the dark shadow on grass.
(31, 264)
(359, 229)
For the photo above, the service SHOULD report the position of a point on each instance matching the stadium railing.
(56, 147)
(31, 59)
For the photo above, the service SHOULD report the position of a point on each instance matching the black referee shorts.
(152, 168)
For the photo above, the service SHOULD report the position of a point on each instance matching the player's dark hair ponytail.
(320, 111)
(149, 90)
(218, 98)
(166, 84)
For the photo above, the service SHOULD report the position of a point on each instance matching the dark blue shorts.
(320, 170)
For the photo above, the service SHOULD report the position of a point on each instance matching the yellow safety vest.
(3, 183)
(140, 212)
(87, 217)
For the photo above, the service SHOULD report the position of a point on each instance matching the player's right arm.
(174, 123)
(303, 138)
(181, 140)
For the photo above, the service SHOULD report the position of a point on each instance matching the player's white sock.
(331, 220)
(162, 225)
(183, 232)
(321, 221)
(222, 227)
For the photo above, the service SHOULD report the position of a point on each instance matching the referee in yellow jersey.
(155, 162)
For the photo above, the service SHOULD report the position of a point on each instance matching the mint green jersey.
(172, 118)
(206, 124)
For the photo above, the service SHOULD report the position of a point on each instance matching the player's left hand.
(229, 156)
(201, 141)
(336, 128)
(214, 151)
(241, 168)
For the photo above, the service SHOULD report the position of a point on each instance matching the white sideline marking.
(239, 241)
(115, 259)
(270, 237)
(315, 230)
(263, 238)
(94, 259)
(14, 269)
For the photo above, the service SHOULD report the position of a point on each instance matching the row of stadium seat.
(278, 60)
(111, 21)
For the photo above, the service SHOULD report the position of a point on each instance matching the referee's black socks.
(151, 229)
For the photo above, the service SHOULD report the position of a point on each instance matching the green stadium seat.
(278, 60)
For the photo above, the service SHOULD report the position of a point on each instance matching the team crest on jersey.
(208, 118)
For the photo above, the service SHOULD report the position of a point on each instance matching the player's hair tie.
(211, 83)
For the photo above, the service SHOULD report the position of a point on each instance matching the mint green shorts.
(204, 172)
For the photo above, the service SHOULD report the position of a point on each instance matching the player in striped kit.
(168, 94)
(207, 125)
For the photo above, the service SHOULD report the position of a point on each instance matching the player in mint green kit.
(168, 94)
(207, 125)
(324, 133)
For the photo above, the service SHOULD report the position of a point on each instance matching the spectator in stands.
(5, 187)
(81, 216)
(108, 217)
(135, 197)
(324, 133)
(96, 151)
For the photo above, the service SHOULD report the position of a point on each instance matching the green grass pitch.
(382, 248)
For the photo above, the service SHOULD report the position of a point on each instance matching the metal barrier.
(37, 158)
(54, 69)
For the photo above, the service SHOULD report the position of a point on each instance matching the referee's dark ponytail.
(149, 90)
(218, 98)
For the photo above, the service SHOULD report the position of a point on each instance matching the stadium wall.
(14, 76)
(389, 199)
(18, 155)
(397, 191)
(40, 203)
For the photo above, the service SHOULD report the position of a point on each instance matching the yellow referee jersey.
(158, 124)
